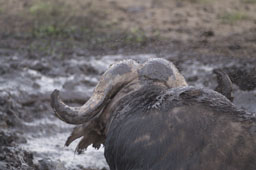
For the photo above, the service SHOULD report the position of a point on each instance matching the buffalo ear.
(76, 133)
(91, 132)
(224, 84)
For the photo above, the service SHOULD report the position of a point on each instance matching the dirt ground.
(104, 26)
(44, 43)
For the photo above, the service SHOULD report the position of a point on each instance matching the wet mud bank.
(31, 137)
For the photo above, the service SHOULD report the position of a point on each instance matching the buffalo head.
(120, 80)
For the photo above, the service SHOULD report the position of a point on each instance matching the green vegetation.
(197, 1)
(249, 1)
(50, 8)
(56, 26)
(53, 31)
(233, 17)
(41, 8)
(50, 19)
(136, 35)
(57, 20)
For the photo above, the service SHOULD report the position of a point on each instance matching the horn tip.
(55, 93)
(54, 97)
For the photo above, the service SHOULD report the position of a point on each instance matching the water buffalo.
(148, 118)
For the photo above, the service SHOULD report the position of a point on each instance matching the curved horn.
(110, 83)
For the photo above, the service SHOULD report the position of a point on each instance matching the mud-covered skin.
(161, 70)
(121, 69)
(155, 70)
(191, 128)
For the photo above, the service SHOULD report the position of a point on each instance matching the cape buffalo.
(148, 118)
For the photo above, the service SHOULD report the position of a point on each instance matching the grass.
(249, 1)
(58, 20)
(233, 17)
(50, 19)
(136, 35)
(83, 22)
(197, 1)
(41, 8)
(53, 31)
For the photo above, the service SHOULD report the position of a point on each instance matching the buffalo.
(148, 118)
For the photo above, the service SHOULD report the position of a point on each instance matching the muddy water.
(27, 121)
(52, 147)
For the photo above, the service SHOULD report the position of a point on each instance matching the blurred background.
(64, 44)
(209, 26)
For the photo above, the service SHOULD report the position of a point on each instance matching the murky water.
(45, 134)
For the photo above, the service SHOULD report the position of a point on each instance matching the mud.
(32, 138)
(197, 35)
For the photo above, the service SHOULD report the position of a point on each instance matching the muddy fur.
(182, 128)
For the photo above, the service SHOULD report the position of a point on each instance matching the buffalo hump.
(191, 128)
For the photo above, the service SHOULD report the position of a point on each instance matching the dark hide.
(182, 129)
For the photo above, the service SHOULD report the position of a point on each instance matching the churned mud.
(69, 44)
(33, 138)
